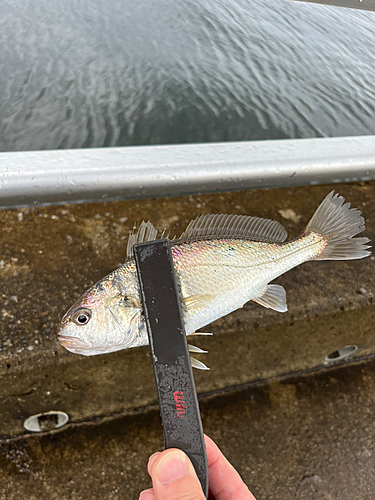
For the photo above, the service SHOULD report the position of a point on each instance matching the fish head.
(103, 320)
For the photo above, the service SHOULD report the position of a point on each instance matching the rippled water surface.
(83, 73)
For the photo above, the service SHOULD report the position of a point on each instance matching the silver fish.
(221, 262)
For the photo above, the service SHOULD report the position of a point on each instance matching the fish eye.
(82, 317)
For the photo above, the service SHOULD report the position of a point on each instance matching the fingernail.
(147, 495)
(151, 460)
(154, 455)
(172, 466)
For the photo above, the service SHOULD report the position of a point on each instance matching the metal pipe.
(86, 175)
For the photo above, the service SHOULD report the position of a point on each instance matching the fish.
(221, 262)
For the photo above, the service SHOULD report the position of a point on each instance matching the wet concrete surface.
(305, 438)
(50, 255)
(125, 382)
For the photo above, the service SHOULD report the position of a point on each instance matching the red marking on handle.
(180, 403)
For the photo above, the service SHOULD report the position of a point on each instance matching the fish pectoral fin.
(273, 297)
(195, 303)
(193, 348)
(198, 364)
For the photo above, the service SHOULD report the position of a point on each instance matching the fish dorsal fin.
(145, 232)
(235, 226)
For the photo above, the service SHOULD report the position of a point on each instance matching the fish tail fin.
(338, 223)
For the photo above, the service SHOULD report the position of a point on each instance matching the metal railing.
(86, 175)
(351, 4)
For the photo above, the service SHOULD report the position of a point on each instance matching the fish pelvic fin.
(194, 348)
(337, 223)
(202, 333)
(198, 364)
(273, 297)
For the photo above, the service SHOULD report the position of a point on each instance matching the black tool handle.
(170, 356)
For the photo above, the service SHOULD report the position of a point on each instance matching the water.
(82, 73)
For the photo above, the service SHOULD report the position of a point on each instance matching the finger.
(174, 477)
(151, 461)
(147, 495)
(225, 482)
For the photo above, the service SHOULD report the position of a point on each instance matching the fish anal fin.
(235, 227)
(273, 297)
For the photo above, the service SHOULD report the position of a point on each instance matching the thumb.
(174, 478)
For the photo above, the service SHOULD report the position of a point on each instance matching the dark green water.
(80, 73)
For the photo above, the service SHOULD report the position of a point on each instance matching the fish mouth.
(78, 346)
(72, 343)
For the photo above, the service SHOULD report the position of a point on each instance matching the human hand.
(174, 478)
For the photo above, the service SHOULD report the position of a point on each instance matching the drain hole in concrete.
(46, 421)
(342, 353)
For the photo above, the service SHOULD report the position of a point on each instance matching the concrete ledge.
(50, 255)
(305, 437)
